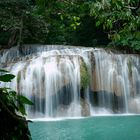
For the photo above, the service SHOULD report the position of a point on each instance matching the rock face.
(134, 105)
(66, 81)
(85, 108)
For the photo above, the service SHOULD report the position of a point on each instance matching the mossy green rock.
(84, 75)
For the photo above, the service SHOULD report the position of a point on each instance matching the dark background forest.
(105, 23)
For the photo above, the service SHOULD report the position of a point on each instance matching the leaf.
(61, 17)
(22, 109)
(7, 77)
(13, 93)
(98, 23)
(24, 100)
(1, 70)
(137, 35)
(5, 88)
(116, 37)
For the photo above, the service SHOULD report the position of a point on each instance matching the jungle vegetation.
(110, 23)
(13, 124)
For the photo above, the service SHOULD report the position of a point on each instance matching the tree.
(70, 23)
(20, 23)
(120, 19)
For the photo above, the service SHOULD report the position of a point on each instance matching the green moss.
(129, 64)
(18, 77)
(84, 75)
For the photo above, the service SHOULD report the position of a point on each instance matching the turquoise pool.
(93, 128)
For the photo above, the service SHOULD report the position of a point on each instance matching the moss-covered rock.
(129, 65)
(84, 75)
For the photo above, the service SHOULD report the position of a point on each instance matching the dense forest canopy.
(121, 20)
(114, 23)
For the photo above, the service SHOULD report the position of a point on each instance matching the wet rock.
(85, 108)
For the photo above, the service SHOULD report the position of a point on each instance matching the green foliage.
(75, 22)
(12, 126)
(12, 104)
(48, 22)
(11, 98)
(6, 77)
(20, 23)
(70, 23)
(121, 19)
(64, 18)
(84, 75)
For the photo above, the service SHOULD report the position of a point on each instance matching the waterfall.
(67, 81)
(117, 74)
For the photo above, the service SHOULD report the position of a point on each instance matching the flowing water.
(66, 81)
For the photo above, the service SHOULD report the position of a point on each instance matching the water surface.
(93, 128)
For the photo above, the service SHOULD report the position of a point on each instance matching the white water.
(50, 77)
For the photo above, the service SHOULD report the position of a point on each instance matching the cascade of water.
(51, 77)
(116, 74)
